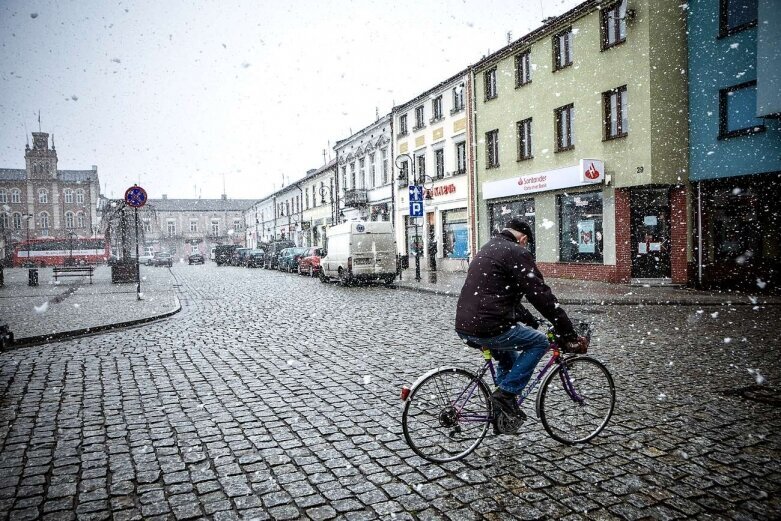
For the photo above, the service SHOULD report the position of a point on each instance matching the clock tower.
(41, 161)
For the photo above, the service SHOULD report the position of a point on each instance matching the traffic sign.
(135, 196)
(416, 208)
(415, 193)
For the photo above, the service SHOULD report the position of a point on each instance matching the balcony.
(356, 197)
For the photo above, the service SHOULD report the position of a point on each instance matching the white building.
(431, 148)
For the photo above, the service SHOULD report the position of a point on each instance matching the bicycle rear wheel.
(447, 415)
(577, 400)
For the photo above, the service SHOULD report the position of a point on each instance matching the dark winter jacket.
(499, 276)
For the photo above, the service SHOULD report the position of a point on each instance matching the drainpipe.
(699, 234)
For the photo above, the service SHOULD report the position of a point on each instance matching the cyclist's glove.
(579, 346)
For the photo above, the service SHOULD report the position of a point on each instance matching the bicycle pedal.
(506, 424)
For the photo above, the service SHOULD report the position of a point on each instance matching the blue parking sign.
(416, 208)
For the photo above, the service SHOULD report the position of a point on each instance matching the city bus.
(59, 252)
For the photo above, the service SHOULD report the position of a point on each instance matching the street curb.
(66, 335)
(603, 302)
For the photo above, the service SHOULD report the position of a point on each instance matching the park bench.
(74, 271)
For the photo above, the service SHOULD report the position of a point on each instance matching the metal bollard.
(32, 277)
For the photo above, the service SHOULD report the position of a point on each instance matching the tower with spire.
(41, 161)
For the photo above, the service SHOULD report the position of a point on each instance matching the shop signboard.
(587, 172)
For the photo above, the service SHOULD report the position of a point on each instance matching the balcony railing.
(356, 197)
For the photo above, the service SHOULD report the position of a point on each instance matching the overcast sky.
(178, 95)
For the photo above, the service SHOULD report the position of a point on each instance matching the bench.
(74, 271)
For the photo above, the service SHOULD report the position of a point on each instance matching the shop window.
(455, 234)
(737, 15)
(580, 227)
(739, 222)
(737, 111)
(501, 212)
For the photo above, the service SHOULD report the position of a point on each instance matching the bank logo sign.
(586, 172)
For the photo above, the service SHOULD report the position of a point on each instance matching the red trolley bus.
(58, 252)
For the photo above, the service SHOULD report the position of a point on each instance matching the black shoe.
(508, 417)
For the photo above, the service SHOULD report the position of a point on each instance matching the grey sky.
(176, 94)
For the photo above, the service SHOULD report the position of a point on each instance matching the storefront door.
(651, 234)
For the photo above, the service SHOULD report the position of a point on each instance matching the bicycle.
(448, 410)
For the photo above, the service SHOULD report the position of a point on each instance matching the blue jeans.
(517, 352)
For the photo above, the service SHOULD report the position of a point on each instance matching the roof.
(201, 205)
(20, 174)
(12, 174)
(459, 75)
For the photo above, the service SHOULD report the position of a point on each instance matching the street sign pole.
(136, 197)
(415, 212)
(138, 263)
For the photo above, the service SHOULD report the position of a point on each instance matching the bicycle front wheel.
(447, 415)
(577, 400)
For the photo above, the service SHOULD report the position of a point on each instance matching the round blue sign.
(135, 196)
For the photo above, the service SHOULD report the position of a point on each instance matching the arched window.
(3, 196)
(43, 222)
(79, 196)
(80, 220)
(43, 196)
(17, 221)
(69, 219)
(16, 195)
(6, 221)
(68, 195)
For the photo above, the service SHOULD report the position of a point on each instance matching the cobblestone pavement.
(276, 396)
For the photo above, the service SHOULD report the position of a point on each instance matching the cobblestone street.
(273, 396)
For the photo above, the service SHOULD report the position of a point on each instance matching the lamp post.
(329, 190)
(401, 160)
(27, 218)
(70, 244)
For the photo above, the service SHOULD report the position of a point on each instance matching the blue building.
(735, 141)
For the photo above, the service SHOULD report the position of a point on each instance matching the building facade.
(431, 148)
(735, 155)
(320, 208)
(42, 201)
(580, 128)
(364, 178)
(185, 226)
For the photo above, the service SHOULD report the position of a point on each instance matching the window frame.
(67, 194)
(460, 145)
(70, 220)
(525, 143)
(43, 196)
(458, 98)
(619, 93)
(568, 48)
(491, 86)
(439, 164)
(80, 222)
(619, 23)
(16, 195)
(492, 149)
(420, 118)
(570, 107)
(16, 221)
(436, 109)
(724, 132)
(3, 196)
(79, 196)
(523, 65)
(403, 130)
(724, 28)
(43, 221)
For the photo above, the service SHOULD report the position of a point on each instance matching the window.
(69, 220)
(404, 174)
(439, 162)
(236, 224)
(79, 196)
(171, 224)
(372, 171)
(737, 111)
(616, 119)
(322, 192)
(419, 118)
(68, 195)
(421, 160)
(461, 157)
(80, 220)
(6, 222)
(436, 109)
(500, 213)
(580, 218)
(215, 228)
(458, 98)
(490, 84)
(525, 139)
(17, 221)
(43, 196)
(147, 226)
(523, 73)
(43, 221)
(614, 25)
(455, 234)
(403, 125)
(362, 171)
(352, 176)
(737, 15)
(193, 226)
(562, 50)
(384, 155)
(3, 196)
(565, 135)
(492, 149)
(16, 195)
(344, 179)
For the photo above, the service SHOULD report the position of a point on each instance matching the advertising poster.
(460, 243)
(586, 237)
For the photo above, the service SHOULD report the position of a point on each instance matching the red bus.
(58, 252)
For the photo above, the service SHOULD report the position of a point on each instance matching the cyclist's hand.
(579, 346)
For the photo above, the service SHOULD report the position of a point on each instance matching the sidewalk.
(581, 292)
(72, 306)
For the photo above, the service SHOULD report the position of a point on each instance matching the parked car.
(195, 258)
(223, 253)
(146, 258)
(162, 258)
(238, 257)
(360, 251)
(255, 258)
(288, 259)
(309, 262)
(272, 252)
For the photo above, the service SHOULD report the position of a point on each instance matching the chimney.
(94, 168)
(165, 196)
(224, 197)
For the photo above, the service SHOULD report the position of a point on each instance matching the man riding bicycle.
(490, 314)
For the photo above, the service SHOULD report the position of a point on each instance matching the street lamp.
(70, 244)
(27, 218)
(329, 190)
(417, 180)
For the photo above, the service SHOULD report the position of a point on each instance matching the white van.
(359, 251)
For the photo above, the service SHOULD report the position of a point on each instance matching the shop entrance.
(651, 234)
